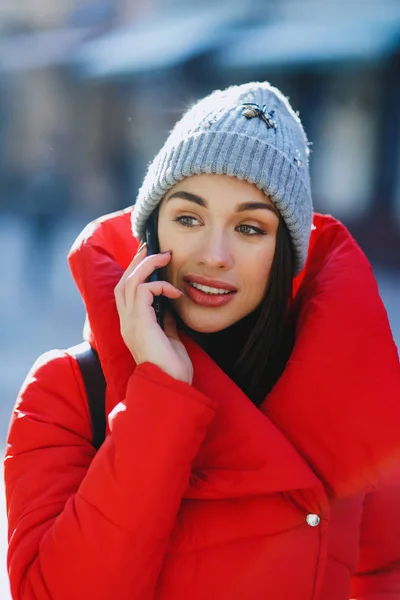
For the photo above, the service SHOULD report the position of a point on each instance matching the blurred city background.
(90, 88)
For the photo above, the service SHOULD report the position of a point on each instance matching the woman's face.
(222, 234)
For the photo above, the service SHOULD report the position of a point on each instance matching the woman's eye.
(186, 220)
(250, 230)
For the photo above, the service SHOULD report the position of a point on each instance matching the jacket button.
(313, 520)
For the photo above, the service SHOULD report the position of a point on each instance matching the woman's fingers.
(143, 270)
(145, 292)
(139, 256)
(147, 342)
(141, 267)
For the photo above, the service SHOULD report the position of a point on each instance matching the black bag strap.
(95, 386)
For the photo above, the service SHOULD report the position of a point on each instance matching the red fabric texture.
(196, 493)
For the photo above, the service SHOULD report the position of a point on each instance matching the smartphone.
(154, 248)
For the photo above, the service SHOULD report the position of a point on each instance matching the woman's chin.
(204, 328)
(204, 323)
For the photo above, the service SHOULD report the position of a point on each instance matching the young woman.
(253, 446)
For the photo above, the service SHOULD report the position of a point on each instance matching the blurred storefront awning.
(300, 43)
(155, 44)
(20, 52)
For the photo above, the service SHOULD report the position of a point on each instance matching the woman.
(253, 444)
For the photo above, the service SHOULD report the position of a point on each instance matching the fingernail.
(166, 252)
(142, 245)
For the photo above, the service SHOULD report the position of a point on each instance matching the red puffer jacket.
(196, 493)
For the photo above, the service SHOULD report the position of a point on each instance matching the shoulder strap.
(95, 386)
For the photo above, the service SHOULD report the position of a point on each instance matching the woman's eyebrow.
(257, 205)
(188, 196)
(239, 208)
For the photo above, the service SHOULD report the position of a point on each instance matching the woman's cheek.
(170, 273)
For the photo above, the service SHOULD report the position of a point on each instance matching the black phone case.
(153, 248)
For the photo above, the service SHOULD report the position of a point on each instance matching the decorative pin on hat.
(297, 159)
(251, 110)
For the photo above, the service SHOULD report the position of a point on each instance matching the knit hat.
(250, 132)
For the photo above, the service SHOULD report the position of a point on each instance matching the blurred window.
(343, 159)
(92, 13)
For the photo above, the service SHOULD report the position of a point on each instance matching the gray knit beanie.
(249, 132)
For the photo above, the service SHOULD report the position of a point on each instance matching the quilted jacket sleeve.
(378, 575)
(96, 526)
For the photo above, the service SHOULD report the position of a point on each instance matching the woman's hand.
(140, 331)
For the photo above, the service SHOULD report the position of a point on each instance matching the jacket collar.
(333, 417)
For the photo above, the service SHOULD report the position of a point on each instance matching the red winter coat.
(197, 493)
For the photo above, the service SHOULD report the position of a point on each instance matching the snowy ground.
(30, 326)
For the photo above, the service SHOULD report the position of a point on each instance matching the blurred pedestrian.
(47, 201)
(252, 446)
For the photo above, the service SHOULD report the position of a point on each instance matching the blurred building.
(109, 79)
(40, 100)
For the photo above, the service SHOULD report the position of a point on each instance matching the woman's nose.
(216, 252)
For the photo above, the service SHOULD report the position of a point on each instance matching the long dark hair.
(270, 341)
(254, 351)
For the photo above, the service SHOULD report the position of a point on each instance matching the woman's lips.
(209, 299)
(215, 283)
